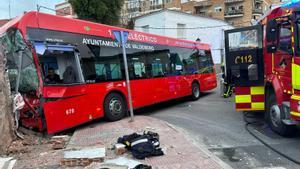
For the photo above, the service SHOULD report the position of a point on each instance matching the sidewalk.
(181, 153)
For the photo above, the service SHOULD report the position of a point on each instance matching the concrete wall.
(170, 19)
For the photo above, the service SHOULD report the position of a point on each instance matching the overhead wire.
(202, 27)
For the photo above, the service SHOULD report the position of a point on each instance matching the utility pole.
(9, 11)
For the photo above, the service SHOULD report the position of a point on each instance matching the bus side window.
(206, 64)
(137, 68)
(158, 61)
(101, 64)
(100, 72)
(175, 65)
(190, 64)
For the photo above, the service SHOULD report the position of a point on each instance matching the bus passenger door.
(175, 80)
(142, 89)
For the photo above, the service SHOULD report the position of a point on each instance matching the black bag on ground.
(144, 146)
(142, 166)
(127, 139)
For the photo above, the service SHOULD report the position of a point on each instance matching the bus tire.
(195, 91)
(275, 115)
(114, 107)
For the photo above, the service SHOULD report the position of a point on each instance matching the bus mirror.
(271, 48)
(272, 29)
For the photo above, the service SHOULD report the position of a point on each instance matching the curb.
(199, 146)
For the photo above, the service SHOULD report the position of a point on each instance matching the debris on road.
(83, 157)
(120, 149)
(59, 142)
(7, 163)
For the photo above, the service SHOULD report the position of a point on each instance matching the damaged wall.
(6, 118)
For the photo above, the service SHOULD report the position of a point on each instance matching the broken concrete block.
(59, 142)
(120, 149)
(83, 157)
(58, 145)
(7, 163)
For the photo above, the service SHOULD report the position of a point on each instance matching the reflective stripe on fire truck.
(250, 98)
(295, 114)
(295, 78)
(295, 97)
(295, 111)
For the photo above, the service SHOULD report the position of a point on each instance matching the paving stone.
(181, 154)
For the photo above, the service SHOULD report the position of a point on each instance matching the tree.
(6, 115)
(103, 11)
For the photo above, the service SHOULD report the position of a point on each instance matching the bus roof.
(58, 23)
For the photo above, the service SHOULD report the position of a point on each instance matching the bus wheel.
(114, 107)
(195, 91)
(275, 115)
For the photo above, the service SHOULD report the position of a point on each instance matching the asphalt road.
(213, 122)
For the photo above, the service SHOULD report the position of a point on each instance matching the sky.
(17, 7)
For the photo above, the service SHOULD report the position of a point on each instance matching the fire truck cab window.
(285, 38)
(60, 64)
(243, 40)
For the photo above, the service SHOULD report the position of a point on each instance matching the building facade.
(3, 21)
(135, 8)
(236, 12)
(65, 9)
(182, 25)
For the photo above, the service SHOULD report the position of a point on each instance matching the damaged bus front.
(23, 77)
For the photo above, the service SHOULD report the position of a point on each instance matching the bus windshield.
(20, 66)
(60, 63)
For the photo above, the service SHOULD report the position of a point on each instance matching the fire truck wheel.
(195, 91)
(114, 107)
(275, 117)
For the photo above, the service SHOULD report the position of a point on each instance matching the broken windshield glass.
(19, 62)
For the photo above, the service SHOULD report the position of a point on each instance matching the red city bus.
(71, 71)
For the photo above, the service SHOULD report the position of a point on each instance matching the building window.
(218, 9)
(145, 28)
(181, 32)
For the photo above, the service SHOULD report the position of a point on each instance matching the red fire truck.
(71, 71)
(263, 63)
